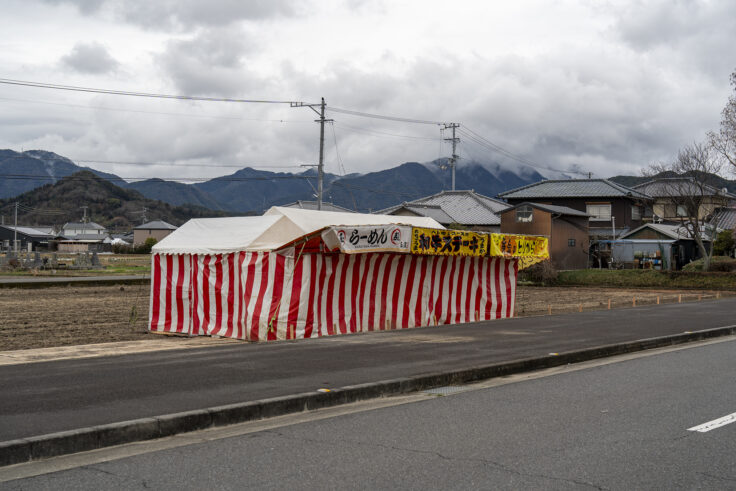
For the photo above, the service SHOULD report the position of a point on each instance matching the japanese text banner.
(529, 249)
(376, 238)
(448, 242)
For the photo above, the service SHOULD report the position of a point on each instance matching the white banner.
(371, 238)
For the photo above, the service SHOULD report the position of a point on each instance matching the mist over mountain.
(254, 191)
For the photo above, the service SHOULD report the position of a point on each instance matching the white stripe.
(364, 321)
(255, 296)
(436, 284)
(512, 276)
(465, 315)
(402, 300)
(413, 296)
(187, 326)
(502, 283)
(378, 300)
(283, 314)
(484, 288)
(265, 297)
(716, 423)
(329, 271)
(492, 280)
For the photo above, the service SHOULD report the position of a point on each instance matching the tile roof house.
(312, 205)
(726, 218)
(612, 208)
(466, 208)
(157, 229)
(672, 195)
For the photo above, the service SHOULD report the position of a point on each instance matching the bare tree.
(692, 194)
(724, 141)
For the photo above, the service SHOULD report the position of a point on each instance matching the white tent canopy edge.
(277, 227)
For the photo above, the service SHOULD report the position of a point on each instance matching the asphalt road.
(42, 398)
(623, 425)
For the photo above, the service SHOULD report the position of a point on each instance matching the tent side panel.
(170, 305)
(322, 295)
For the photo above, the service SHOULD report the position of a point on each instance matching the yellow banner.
(529, 249)
(448, 242)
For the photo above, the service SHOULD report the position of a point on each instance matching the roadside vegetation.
(643, 278)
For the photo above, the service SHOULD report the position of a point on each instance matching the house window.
(524, 213)
(681, 211)
(636, 212)
(600, 212)
(570, 242)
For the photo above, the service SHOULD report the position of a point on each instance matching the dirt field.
(61, 316)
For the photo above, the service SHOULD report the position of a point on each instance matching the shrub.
(724, 243)
(145, 248)
(717, 263)
(542, 273)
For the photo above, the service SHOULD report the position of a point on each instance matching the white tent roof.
(276, 228)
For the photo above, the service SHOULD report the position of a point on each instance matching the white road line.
(716, 423)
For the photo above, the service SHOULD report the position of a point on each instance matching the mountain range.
(253, 191)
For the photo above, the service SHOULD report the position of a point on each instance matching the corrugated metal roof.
(573, 188)
(674, 232)
(28, 231)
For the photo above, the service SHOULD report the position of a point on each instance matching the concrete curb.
(95, 437)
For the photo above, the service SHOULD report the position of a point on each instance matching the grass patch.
(642, 278)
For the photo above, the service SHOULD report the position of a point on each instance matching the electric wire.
(73, 88)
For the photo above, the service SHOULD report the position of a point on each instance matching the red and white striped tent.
(272, 277)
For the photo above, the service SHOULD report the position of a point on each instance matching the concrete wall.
(140, 236)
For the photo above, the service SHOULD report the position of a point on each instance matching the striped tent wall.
(261, 296)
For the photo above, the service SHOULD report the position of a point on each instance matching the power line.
(384, 133)
(381, 116)
(73, 88)
(164, 113)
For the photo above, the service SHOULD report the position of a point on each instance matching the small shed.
(566, 228)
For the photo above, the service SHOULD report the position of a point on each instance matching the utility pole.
(320, 165)
(144, 219)
(15, 229)
(454, 157)
(84, 219)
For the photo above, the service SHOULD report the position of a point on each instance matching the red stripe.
(508, 285)
(250, 273)
(497, 282)
(218, 293)
(296, 291)
(412, 260)
(355, 290)
(418, 308)
(278, 288)
(194, 284)
(430, 286)
(167, 289)
(373, 288)
(452, 280)
(469, 315)
(361, 297)
(322, 294)
(311, 308)
(180, 295)
(441, 279)
(255, 324)
(397, 290)
(332, 261)
(206, 294)
(230, 293)
(239, 298)
(460, 261)
(390, 258)
(479, 262)
(156, 292)
(342, 294)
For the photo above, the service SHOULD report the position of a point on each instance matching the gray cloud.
(185, 14)
(90, 58)
(213, 62)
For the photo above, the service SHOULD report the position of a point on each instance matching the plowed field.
(60, 316)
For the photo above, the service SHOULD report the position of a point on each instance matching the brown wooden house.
(567, 230)
(612, 208)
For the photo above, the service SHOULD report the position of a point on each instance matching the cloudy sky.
(606, 87)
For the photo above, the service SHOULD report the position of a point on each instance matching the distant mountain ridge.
(253, 191)
(116, 208)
